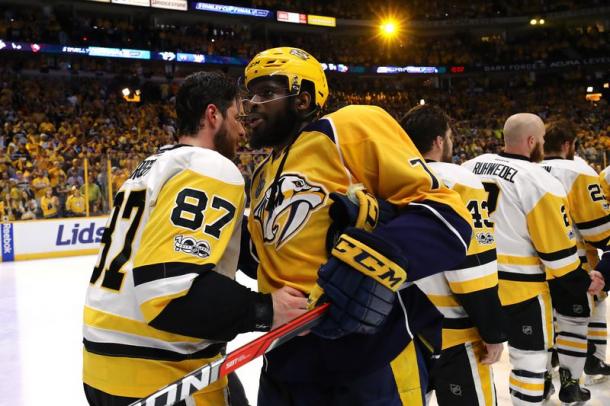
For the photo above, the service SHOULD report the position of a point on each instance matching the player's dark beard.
(273, 131)
(537, 154)
(223, 144)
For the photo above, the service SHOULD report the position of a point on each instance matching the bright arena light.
(589, 89)
(533, 21)
(126, 92)
(422, 102)
(389, 28)
(541, 21)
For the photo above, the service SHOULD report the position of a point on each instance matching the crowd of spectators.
(363, 48)
(50, 128)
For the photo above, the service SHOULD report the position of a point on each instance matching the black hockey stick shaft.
(212, 372)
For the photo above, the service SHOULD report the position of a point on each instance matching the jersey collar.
(514, 156)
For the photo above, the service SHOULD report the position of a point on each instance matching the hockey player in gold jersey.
(474, 324)
(604, 181)
(535, 241)
(162, 299)
(590, 215)
(370, 347)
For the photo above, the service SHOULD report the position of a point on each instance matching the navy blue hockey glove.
(360, 281)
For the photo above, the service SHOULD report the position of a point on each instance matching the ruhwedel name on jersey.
(51, 238)
(492, 168)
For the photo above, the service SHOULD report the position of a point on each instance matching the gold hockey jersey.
(477, 273)
(604, 181)
(589, 209)
(533, 232)
(288, 222)
(177, 215)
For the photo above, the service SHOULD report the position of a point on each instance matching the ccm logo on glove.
(369, 262)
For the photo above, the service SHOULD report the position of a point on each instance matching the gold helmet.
(294, 64)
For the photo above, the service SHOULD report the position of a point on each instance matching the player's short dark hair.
(423, 123)
(557, 133)
(197, 92)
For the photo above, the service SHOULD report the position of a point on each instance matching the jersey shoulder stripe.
(452, 174)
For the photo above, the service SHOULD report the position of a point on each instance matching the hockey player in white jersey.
(590, 215)
(467, 296)
(535, 241)
(162, 299)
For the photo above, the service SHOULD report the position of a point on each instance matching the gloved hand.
(357, 208)
(359, 280)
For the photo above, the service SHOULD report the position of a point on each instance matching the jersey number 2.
(113, 277)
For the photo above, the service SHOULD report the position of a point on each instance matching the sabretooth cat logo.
(296, 200)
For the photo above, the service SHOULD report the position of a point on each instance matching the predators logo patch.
(283, 212)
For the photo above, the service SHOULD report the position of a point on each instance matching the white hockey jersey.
(177, 215)
(534, 237)
(589, 210)
(477, 273)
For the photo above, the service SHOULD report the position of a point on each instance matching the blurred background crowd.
(69, 139)
(578, 39)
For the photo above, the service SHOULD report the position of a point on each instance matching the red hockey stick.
(209, 373)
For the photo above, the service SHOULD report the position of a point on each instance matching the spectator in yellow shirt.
(75, 205)
(49, 204)
(55, 172)
(40, 183)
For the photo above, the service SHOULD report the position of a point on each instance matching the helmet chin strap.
(276, 194)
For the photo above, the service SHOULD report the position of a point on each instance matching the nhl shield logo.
(455, 389)
(527, 330)
(578, 309)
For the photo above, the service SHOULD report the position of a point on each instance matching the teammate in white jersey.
(535, 240)
(162, 299)
(467, 296)
(590, 215)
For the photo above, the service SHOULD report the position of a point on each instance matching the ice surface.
(41, 305)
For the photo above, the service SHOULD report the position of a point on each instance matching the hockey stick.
(210, 373)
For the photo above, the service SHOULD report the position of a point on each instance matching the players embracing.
(373, 346)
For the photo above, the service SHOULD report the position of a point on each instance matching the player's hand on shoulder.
(360, 281)
(288, 303)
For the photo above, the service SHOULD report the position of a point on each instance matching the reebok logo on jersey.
(294, 201)
(189, 245)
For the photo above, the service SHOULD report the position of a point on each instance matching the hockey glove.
(360, 281)
(357, 208)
